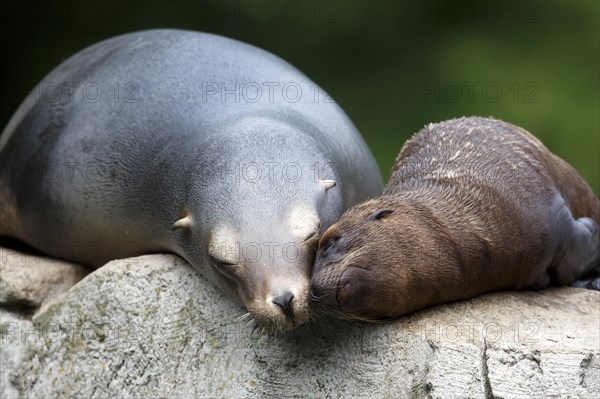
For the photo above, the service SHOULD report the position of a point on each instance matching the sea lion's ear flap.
(380, 214)
(183, 223)
(329, 184)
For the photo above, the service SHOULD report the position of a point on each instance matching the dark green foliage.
(392, 65)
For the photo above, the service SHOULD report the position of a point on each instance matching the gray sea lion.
(169, 140)
(473, 205)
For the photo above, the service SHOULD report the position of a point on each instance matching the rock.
(27, 281)
(12, 351)
(152, 327)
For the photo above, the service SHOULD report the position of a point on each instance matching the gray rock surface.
(152, 327)
(29, 280)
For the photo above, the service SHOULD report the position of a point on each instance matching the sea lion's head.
(268, 267)
(367, 264)
(257, 216)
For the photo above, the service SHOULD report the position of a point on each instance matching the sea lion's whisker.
(256, 326)
(244, 317)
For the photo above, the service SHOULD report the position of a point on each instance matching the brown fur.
(9, 221)
(477, 207)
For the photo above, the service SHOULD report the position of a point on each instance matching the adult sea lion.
(170, 140)
(473, 205)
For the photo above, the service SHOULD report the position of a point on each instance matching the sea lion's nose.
(285, 303)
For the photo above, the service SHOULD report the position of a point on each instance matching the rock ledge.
(152, 327)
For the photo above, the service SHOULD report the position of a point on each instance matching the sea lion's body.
(190, 146)
(473, 205)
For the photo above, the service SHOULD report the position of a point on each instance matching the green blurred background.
(393, 66)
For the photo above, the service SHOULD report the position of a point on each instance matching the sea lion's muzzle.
(277, 302)
(339, 292)
(325, 279)
(350, 293)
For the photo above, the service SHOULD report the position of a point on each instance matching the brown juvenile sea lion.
(473, 205)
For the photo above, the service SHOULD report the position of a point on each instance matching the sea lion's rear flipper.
(591, 283)
(591, 278)
(578, 252)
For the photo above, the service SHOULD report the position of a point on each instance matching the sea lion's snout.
(327, 272)
(271, 277)
(340, 290)
(322, 295)
(351, 289)
(271, 283)
(283, 307)
(352, 277)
